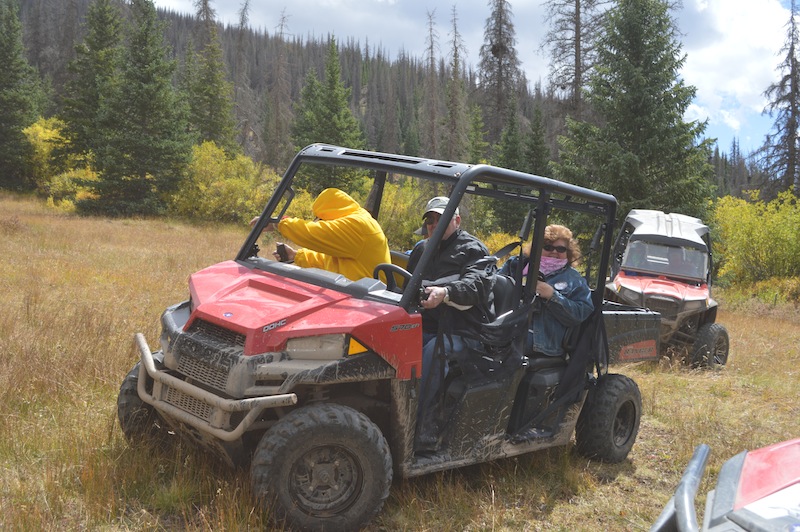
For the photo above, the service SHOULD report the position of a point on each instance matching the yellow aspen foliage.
(758, 240)
(222, 189)
(43, 135)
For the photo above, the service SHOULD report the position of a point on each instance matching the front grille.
(207, 352)
(202, 372)
(189, 404)
(215, 332)
(668, 308)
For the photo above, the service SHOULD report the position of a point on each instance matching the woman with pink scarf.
(564, 294)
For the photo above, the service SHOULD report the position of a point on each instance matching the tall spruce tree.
(20, 93)
(644, 153)
(147, 145)
(323, 115)
(536, 154)
(210, 94)
(782, 145)
(499, 66)
(455, 132)
(477, 146)
(92, 76)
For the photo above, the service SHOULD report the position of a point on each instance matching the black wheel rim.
(326, 481)
(719, 355)
(624, 424)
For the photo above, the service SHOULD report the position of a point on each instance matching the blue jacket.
(570, 305)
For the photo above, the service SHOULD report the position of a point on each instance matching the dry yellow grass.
(74, 290)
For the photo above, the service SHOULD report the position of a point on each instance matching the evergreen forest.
(116, 107)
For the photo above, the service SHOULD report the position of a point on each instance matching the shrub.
(301, 205)
(776, 291)
(758, 240)
(43, 135)
(222, 189)
(496, 241)
(401, 214)
(66, 188)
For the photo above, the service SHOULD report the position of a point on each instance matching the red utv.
(756, 491)
(663, 262)
(312, 380)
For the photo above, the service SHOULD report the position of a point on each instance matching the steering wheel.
(389, 270)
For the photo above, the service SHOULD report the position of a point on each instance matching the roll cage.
(541, 195)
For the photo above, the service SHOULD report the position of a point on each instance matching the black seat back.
(503, 292)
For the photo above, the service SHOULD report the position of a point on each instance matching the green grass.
(75, 290)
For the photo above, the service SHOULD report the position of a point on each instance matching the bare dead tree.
(780, 148)
(574, 27)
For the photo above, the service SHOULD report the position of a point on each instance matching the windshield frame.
(542, 196)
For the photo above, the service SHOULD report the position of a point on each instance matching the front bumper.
(170, 391)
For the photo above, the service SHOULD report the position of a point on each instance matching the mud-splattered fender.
(356, 368)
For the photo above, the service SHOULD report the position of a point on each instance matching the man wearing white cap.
(458, 292)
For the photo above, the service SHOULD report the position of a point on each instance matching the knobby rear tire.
(609, 422)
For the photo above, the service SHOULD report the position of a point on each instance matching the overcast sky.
(732, 47)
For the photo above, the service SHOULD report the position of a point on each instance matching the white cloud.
(732, 54)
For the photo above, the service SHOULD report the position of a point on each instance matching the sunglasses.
(550, 247)
(431, 220)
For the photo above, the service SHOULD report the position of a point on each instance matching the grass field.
(75, 290)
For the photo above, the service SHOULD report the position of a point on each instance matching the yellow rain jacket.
(345, 239)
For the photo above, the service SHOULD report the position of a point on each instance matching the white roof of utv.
(656, 226)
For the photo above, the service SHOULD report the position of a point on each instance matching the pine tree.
(536, 156)
(509, 151)
(499, 66)
(782, 146)
(147, 147)
(323, 115)
(477, 146)
(20, 92)
(510, 154)
(92, 76)
(210, 95)
(307, 111)
(246, 102)
(383, 108)
(644, 154)
(455, 134)
(411, 140)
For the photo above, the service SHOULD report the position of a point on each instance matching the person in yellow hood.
(344, 238)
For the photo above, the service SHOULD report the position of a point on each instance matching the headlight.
(325, 347)
(631, 295)
(695, 305)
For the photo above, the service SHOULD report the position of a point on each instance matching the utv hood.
(269, 309)
(663, 287)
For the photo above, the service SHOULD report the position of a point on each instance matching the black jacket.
(454, 265)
